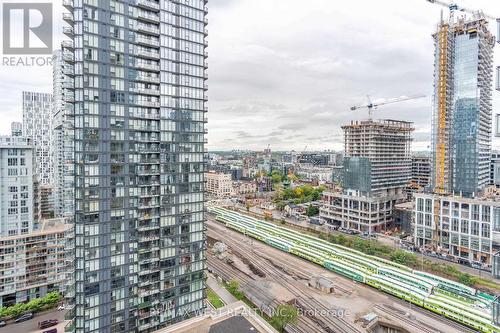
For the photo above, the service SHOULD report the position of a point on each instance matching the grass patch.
(214, 299)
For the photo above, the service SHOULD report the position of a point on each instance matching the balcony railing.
(148, 4)
(148, 78)
(148, 29)
(68, 17)
(147, 41)
(67, 44)
(148, 17)
(148, 54)
(153, 67)
(68, 31)
(68, 4)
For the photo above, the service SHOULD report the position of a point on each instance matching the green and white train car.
(308, 254)
(464, 316)
(446, 297)
(393, 287)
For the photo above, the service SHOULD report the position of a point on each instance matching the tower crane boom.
(453, 6)
(371, 106)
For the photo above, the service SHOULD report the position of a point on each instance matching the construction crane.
(372, 106)
(453, 6)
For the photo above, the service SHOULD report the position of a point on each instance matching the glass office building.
(139, 108)
(462, 119)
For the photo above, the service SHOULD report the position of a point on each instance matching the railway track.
(404, 319)
(428, 313)
(330, 324)
(229, 273)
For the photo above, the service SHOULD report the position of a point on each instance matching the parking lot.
(31, 326)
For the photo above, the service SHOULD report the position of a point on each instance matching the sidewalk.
(225, 295)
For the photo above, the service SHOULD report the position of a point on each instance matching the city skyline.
(352, 157)
(259, 76)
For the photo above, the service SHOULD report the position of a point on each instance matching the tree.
(312, 211)
(404, 258)
(284, 314)
(234, 288)
(467, 279)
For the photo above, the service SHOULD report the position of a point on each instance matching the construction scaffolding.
(462, 109)
(381, 152)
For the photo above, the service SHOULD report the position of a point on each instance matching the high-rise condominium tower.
(37, 113)
(461, 135)
(16, 186)
(139, 108)
(62, 136)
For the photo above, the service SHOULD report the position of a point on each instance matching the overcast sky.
(285, 72)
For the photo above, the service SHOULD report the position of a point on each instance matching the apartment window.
(12, 161)
(465, 227)
(475, 228)
(485, 230)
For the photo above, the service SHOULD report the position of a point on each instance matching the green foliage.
(301, 194)
(284, 314)
(234, 288)
(312, 211)
(404, 258)
(214, 299)
(35, 305)
(277, 177)
(467, 279)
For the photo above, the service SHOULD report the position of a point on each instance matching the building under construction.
(377, 168)
(378, 160)
(462, 111)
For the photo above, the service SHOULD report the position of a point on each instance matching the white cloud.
(286, 72)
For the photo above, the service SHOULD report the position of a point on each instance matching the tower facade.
(377, 158)
(16, 186)
(62, 137)
(462, 113)
(37, 117)
(139, 107)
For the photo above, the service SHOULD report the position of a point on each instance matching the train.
(446, 297)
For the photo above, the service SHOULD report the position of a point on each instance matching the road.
(31, 326)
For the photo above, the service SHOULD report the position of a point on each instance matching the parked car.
(2, 323)
(24, 317)
(47, 323)
(52, 330)
(61, 307)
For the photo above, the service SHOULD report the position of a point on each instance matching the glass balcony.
(68, 31)
(68, 57)
(68, 4)
(147, 78)
(148, 41)
(149, 17)
(152, 67)
(68, 17)
(148, 4)
(67, 44)
(148, 54)
(148, 29)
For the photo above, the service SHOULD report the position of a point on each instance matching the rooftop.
(232, 318)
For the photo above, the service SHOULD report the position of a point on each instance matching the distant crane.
(372, 106)
(453, 6)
